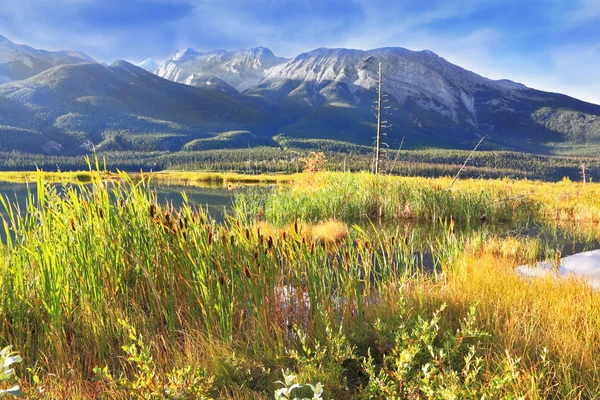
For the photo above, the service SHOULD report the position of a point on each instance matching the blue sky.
(546, 44)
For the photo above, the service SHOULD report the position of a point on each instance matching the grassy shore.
(107, 294)
(162, 177)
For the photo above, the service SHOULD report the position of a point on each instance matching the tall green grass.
(351, 197)
(84, 266)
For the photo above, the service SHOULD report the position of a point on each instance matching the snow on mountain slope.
(433, 82)
(149, 65)
(21, 62)
(242, 69)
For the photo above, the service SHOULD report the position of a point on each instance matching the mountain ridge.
(19, 61)
(323, 94)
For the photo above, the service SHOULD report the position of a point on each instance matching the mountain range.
(66, 103)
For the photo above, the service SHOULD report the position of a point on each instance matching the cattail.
(270, 242)
(184, 235)
(121, 203)
(312, 248)
(406, 240)
(221, 280)
(247, 272)
(231, 239)
(167, 217)
(210, 237)
(255, 255)
(346, 257)
(296, 225)
(283, 236)
(152, 210)
(101, 213)
(181, 224)
(247, 234)
(72, 224)
(393, 240)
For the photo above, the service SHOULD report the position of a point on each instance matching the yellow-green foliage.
(227, 307)
(353, 196)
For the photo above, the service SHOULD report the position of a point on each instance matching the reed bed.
(351, 197)
(108, 294)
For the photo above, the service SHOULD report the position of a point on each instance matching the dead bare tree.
(382, 125)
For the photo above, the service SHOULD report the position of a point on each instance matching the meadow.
(320, 288)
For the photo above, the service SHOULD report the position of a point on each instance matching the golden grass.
(525, 316)
(326, 232)
(330, 232)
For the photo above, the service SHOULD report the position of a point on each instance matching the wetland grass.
(175, 305)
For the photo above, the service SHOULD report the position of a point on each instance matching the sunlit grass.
(296, 284)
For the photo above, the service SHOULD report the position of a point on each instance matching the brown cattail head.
(393, 241)
(270, 242)
(296, 225)
(167, 217)
(406, 240)
(121, 203)
(221, 280)
(312, 248)
(283, 235)
(255, 255)
(247, 272)
(101, 213)
(152, 210)
(247, 234)
(181, 226)
(72, 224)
(231, 239)
(210, 237)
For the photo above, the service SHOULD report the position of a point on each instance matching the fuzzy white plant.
(8, 358)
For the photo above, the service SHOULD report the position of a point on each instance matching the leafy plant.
(290, 385)
(7, 373)
(147, 384)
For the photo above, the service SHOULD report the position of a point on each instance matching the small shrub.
(147, 384)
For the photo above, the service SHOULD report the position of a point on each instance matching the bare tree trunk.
(379, 107)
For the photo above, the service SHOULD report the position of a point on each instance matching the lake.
(216, 199)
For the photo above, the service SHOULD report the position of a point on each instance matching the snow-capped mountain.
(424, 77)
(322, 94)
(21, 62)
(242, 69)
(149, 65)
